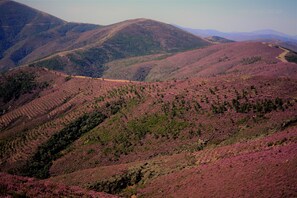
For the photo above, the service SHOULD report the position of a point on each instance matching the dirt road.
(282, 56)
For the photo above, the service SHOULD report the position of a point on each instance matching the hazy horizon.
(225, 16)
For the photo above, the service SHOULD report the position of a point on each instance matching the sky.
(222, 15)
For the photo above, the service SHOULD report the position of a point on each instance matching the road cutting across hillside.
(87, 77)
(105, 79)
(282, 56)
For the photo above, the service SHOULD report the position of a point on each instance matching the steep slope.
(27, 34)
(41, 104)
(127, 39)
(19, 22)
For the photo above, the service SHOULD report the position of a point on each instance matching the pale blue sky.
(223, 15)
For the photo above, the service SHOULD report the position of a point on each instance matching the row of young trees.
(38, 166)
(261, 106)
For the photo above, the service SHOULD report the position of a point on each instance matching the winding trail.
(282, 56)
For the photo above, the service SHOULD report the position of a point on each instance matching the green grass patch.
(118, 138)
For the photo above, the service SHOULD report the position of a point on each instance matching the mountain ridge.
(60, 38)
(125, 39)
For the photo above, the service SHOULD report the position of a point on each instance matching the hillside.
(240, 58)
(68, 131)
(245, 169)
(259, 35)
(141, 108)
(272, 36)
(19, 22)
(17, 186)
(28, 35)
(217, 39)
(127, 39)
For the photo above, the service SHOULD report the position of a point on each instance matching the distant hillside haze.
(217, 39)
(285, 40)
(28, 35)
(242, 36)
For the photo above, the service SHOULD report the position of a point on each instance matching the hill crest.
(52, 39)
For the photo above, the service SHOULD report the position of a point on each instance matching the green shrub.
(123, 140)
(39, 165)
(67, 78)
(292, 57)
(250, 60)
(16, 85)
(55, 63)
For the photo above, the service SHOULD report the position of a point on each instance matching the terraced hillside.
(34, 120)
(134, 109)
(70, 130)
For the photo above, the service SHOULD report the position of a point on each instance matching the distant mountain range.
(267, 35)
(29, 36)
(218, 39)
(243, 36)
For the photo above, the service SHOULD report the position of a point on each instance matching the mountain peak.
(8, 6)
(31, 34)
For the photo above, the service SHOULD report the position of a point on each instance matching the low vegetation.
(260, 106)
(250, 60)
(53, 63)
(292, 57)
(39, 165)
(132, 133)
(14, 86)
(118, 183)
